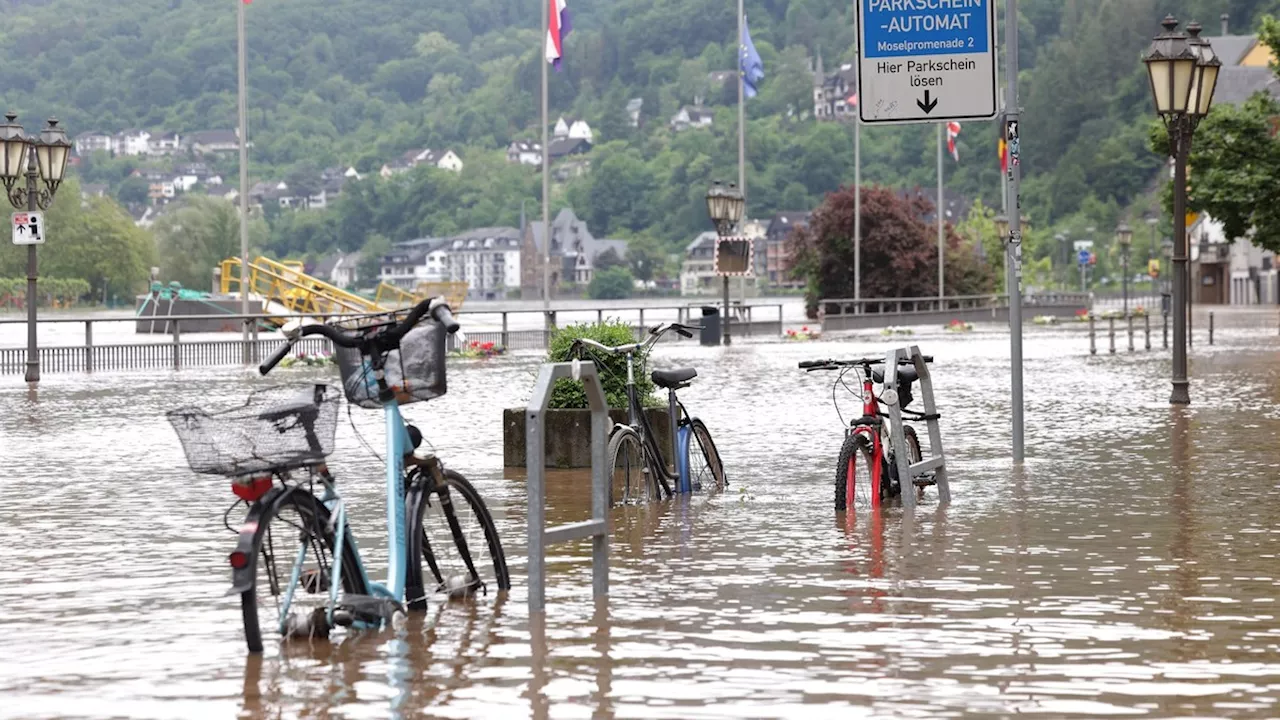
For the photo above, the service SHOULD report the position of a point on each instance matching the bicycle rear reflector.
(238, 560)
(250, 489)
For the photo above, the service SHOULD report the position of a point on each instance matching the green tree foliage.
(195, 237)
(898, 254)
(613, 368)
(615, 283)
(93, 240)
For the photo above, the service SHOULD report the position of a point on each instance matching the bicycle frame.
(870, 425)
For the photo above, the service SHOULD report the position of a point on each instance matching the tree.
(199, 235)
(615, 283)
(607, 259)
(370, 265)
(646, 258)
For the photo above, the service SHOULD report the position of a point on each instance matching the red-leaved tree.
(899, 254)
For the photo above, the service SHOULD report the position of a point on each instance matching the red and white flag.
(558, 27)
(953, 129)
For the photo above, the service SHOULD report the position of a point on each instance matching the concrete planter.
(569, 435)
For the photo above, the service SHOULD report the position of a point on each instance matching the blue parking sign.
(1083, 257)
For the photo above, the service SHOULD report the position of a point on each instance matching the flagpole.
(857, 184)
(546, 171)
(941, 290)
(244, 180)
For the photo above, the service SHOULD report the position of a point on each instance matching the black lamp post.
(1184, 73)
(725, 205)
(1124, 236)
(43, 157)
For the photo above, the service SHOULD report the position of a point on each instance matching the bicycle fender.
(251, 531)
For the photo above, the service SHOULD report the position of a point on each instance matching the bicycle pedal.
(369, 608)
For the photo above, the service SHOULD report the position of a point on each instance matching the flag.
(852, 100)
(750, 66)
(558, 28)
(1004, 155)
(953, 129)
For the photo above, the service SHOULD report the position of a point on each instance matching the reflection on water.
(1130, 569)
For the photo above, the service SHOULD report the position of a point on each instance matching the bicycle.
(868, 444)
(385, 362)
(633, 447)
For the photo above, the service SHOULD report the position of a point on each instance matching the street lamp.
(45, 157)
(725, 205)
(1124, 236)
(1184, 74)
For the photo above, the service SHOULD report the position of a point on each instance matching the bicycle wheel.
(853, 486)
(453, 535)
(630, 475)
(295, 531)
(706, 472)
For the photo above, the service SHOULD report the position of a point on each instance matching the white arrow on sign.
(926, 61)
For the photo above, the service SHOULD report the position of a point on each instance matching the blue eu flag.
(749, 63)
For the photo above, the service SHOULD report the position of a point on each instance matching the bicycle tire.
(856, 449)
(421, 549)
(315, 518)
(637, 479)
(702, 437)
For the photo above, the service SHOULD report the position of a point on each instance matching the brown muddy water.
(1132, 569)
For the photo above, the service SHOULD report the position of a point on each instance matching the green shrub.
(613, 368)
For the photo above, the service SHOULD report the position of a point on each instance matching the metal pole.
(33, 205)
(941, 290)
(1124, 281)
(546, 170)
(244, 179)
(1015, 226)
(724, 331)
(857, 184)
(1180, 131)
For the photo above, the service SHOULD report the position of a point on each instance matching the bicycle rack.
(935, 464)
(597, 528)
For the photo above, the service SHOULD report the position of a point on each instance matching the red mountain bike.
(867, 471)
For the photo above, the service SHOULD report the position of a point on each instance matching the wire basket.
(415, 371)
(276, 429)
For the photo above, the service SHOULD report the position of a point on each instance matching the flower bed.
(1045, 320)
(477, 349)
(802, 334)
(894, 330)
(959, 326)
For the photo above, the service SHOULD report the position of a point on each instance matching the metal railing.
(836, 307)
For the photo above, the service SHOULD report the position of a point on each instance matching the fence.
(850, 313)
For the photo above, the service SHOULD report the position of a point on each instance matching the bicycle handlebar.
(437, 307)
(811, 365)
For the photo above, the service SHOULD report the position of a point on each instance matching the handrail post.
(641, 322)
(177, 341)
(505, 342)
(1093, 337)
(1111, 333)
(256, 349)
(88, 346)
(1129, 318)
(1210, 328)
(1146, 319)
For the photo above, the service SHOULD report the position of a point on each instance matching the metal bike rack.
(597, 528)
(936, 463)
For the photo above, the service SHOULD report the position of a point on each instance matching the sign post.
(917, 64)
(733, 256)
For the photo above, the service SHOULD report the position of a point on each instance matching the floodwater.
(1132, 569)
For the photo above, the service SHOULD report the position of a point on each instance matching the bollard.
(256, 353)
(1111, 332)
(177, 344)
(1130, 319)
(1146, 321)
(1164, 323)
(1210, 328)
(643, 329)
(1093, 337)
(88, 346)
(506, 344)
(599, 316)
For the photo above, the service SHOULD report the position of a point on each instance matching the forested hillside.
(341, 82)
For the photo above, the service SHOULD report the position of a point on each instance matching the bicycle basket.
(415, 371)
(276, 429)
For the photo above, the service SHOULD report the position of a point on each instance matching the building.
(131, 142)
(691, 116)
(524, 152)
(91, 142)
(88, 190)
(164, 143)
(698, 272)
(488, 259)
(215, 141)
(564, 147)
(339, 269)
(777, 257)
(415, 261)
(574, 252)
(1226, 271)
(634, 106)
(834, 94)
(443, 159)
(573, 129)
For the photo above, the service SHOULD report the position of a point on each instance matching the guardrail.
(850, 313)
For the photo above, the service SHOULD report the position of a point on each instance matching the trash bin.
(710, 325)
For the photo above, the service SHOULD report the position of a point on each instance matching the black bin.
(710, 325)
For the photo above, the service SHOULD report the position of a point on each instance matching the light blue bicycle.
(296, 565)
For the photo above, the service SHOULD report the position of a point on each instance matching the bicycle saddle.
(673, 378)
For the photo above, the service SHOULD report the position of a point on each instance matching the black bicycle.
(637, 466)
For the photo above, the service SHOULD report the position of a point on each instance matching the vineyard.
(53, 292)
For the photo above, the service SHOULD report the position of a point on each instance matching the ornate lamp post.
(1124, 236)
(43, 157)
(1184, 74)
(725, 205)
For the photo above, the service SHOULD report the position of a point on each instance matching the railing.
(836, 307)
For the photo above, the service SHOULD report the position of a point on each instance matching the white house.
(339, 269)
(90, 142)
(131, 142)
(215, 141)
(576, 129)
(691, 116)
(488, 259)
(443, 159)
(634, 106)
(524, 152)
(164, 143)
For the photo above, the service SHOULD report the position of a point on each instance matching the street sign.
(734, 256)
(1079, 245)
(28, 228)
(1153, 268)
(926, 60)
(1083, 257)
